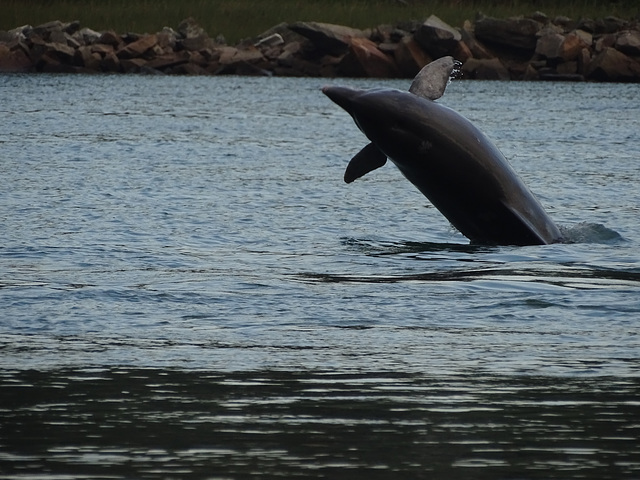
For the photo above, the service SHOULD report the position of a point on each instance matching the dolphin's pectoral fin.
(366, 160)
(432, 80)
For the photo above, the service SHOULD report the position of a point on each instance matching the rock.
(132, 65)
(86, 36)
(87, 58)
(137, 48)
(189, 28)
(485, 69)
(610, 65)
(110, 37)
(62, 52)
(364, 59)
(573, 44)
(468, 37)
(518, 33)
(584, 59)
(167, 39)
(110, 63)
(410, 57)
(567, 68)
(550, 46)
(327, 38)
(241, 61)
(437, 38)
(14, 61)
(101, 49)
(168, 60)
(565, 22)
(288, 53)
(191, 36)
(605, 41)
(561, 47)
(628, 42)
(44, 31)
(282, 29)
(612, 24)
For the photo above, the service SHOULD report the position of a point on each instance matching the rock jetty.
(533, 47)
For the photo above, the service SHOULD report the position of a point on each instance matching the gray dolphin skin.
(448, 159)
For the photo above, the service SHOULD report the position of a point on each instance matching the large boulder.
(611, 65)
(410, 57)
(364, 59)
(437, 38)
(514, 33)
(327, 38)
(477, 49)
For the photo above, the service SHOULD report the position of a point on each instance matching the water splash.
(585, 232)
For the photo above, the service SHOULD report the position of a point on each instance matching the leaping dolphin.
(447, 158)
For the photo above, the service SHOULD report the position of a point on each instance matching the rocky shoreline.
(533, 47)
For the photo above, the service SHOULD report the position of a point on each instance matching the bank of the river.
(532, 47)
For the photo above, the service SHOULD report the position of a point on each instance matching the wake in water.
(585, 232)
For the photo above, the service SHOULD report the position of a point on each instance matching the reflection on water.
(133, 423)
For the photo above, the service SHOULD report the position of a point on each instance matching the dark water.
(188, 289)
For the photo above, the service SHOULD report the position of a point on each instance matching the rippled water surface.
(189, 289)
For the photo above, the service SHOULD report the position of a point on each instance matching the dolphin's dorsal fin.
(366, 160)
(431, 81)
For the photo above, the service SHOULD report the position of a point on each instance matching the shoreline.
(532, 47)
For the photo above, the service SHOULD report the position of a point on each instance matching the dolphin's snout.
(342, 96)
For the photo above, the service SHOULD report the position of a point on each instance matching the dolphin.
(447, 158)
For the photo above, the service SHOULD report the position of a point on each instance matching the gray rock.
(550, 46)
(518, 33)
(611, 65)
(628, 42)
(437, 38)
(327, 38)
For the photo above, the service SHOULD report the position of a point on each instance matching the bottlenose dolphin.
(447, 158)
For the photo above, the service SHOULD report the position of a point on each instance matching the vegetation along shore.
(496, 44)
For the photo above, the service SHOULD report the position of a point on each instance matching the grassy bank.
(237, 19)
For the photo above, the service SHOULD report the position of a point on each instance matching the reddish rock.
(485, 69)
(137, 48)
(14, 61)
(364, 59)
(573, 44)
(410, 57)
(169, 60)
(462, 53)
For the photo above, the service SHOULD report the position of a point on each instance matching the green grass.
(237, 19)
